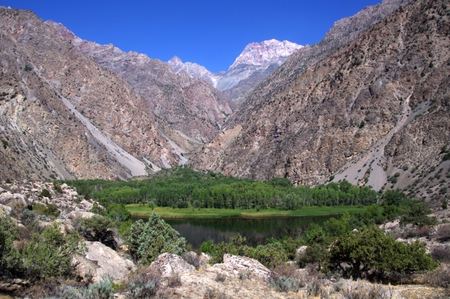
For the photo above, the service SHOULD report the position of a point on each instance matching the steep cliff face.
(64, 116)
(190, 106)
(365, 112)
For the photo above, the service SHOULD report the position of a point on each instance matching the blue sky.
(209, 32)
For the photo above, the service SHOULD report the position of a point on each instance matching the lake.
(256, 231)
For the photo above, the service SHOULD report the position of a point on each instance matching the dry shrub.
(441, 253)
(443, 233)
(174, 281)
(440, 277)
(366, 290)
(220, 277)
(287, 278)
(144, 284)
(192, 258)
(214, 294)
(419, 232)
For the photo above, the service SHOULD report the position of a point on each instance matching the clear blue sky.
(209, 32)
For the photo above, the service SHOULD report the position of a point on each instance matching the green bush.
(49, 254)
(45, 193)
(149, 239)
(417, 214)
(9, 256)
(97, 228)
(371, 254)
(118, 212)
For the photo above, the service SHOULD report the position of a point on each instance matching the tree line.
(182, 187)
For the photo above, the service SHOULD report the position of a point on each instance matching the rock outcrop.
(100, 261)
(168, 265)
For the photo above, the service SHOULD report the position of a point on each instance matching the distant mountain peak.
(193, 69)
(266, 53)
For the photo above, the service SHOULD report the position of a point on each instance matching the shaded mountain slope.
(63, 116)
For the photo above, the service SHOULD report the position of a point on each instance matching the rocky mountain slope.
(374, 111)
(64, 116)
(193, 109)
(255, 63)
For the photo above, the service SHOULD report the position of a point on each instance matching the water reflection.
(256, 231)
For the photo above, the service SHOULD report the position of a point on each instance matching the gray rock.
(240, 264)
(101, 260)
(170, 264)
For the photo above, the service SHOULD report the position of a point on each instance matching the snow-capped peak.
(266, 53)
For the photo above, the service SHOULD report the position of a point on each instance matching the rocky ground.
(191, 276)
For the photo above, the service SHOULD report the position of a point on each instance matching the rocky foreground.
(191, 276)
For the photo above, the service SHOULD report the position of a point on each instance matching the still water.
(256, 231)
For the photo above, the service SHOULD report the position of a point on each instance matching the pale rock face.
(244, 265)
(108, 263)
(168, 265)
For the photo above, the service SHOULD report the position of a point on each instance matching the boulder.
(80, 214)
(101, 260)
(168, 264)
(300, 250)
(12, 199)
(243, 265)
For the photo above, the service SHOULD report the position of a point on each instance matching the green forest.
(183, 187)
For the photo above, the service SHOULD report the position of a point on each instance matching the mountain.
(64, 116)
(255, 63)
(194, 70)
(370, 107)
(194, 110)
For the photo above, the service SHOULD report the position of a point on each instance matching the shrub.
(96, 228)
(144, 285)
(441, 253)
(371, 254)
(118, 212)
(439, 277)
(57, 187)
(220, 277)
(206, 246)
(270, 255)
(148, 240)
(417, 214)
(50, 254)
(443, 233)
(192, 259)
(45, 193)
(9, 256)
(48, 210)
(286, 284)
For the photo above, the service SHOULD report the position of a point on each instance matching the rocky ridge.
(255, 63)
(63, 115)
(313, 119)
(189, 106)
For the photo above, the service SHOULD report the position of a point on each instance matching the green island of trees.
(182, 187)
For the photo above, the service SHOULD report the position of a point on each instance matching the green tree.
(149, 239)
